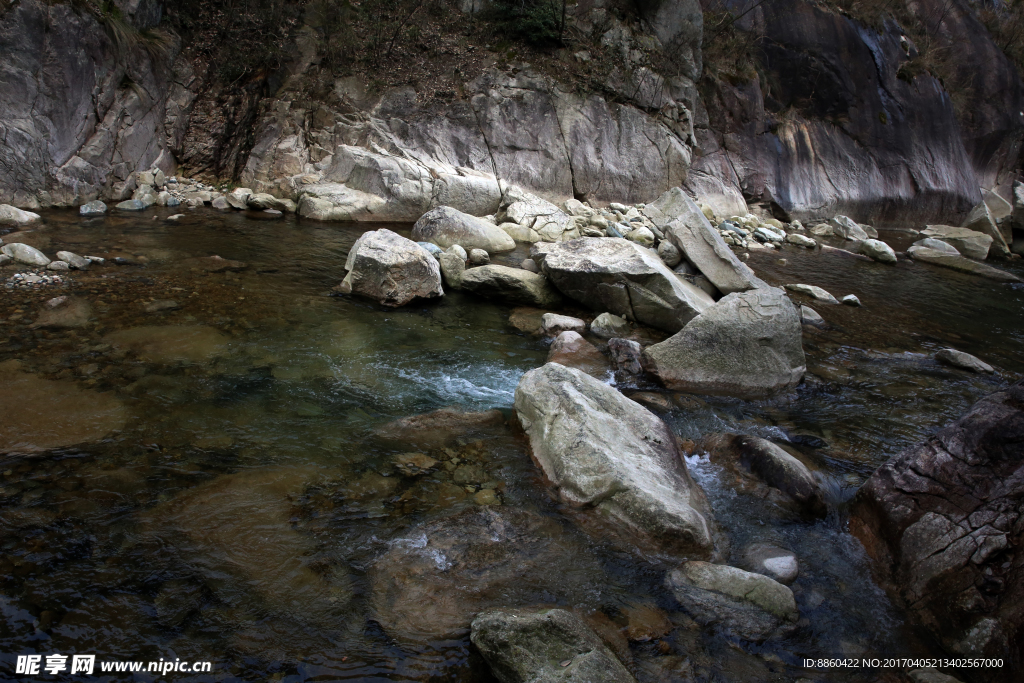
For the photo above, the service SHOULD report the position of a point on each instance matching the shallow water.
(243, 507)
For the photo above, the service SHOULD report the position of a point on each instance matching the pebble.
(851, 300)
(34, 280)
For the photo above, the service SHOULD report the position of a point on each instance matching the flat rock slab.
(544, 646)
(169, 344)
(686, 227)
(39, 414)
(751, 606)
(748, 345)
(964, 265)
(620, 277)
(604, 451)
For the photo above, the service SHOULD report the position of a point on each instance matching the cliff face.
(833, 123)
(836, 123)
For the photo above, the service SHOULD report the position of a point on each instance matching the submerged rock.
(514, 285)
(37, 414)
(959, 263)
(390, 269)
(544, 646)
(774, 562)
(433, 580)
(606, 452)
(966, 361)
(779, 469)
(615, 275)
(751, 606)
(169, 344)
(573, 351)
(445, 226)
(685, 226)
(749, 345)
(73, 313)
(943, 522)
(437, 428)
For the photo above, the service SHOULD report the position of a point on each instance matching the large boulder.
(969, 243)
(943, 521)
(445, 226)
(980, 219)
(615, 275)
(686, 227)
(539, 220)
(544, 646)
(964, 265)
(391, 269)
(605, 452)
(432, 581)
(749, 345)
(847, 228)
(751, 606)
(23, 253)
(514, 285)
(10, 215)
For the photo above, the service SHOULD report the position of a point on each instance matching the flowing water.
(200, 463)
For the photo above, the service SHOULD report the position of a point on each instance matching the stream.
(202, 467)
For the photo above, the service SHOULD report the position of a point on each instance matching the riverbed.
(234, 495)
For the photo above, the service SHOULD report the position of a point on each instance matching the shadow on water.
(235, 502)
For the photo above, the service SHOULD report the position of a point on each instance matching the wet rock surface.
(514, 285)
(524, 646)
(603, 451)
(392, 270)
(942, 523)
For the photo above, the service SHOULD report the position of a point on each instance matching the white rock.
(966, 361)
(10, 215)
(23, 253)
(553, 324)
(878, 250)
(814, 292)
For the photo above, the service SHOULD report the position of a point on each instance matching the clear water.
(246, 511)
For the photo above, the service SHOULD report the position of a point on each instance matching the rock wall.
(77, 117)
(832, 126)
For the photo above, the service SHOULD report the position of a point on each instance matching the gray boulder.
(780, 470)
(937, 245)
(544, 646)
(74, 260)
(604, 451)
(452, 267)
(238, 198)
(131, 205)
(965, 361)
(93, 208)
(615, 275)
(809, 316)
(392, 270)
(772, 561)
(685, 226)
(220, 203)
(479, 257)
(260, 201)
(851, 300)
(847, 228)
(626, 355)
(800, 240)
(751, 606)
(669, 253)
(608, 325)
(878, 251)
(23, 253)
(980, 219)
(813, 292)
(748, 345)
(554, 324)
(969, 243)
(514, 285)
(445, 226)
(12, 216)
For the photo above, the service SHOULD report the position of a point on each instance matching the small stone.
(434, 250)
(486, 497)
(23, 253)
(74, 260)
(221, 204)
(414, 464)
(57, 302)
(781, 262)
(469, 474)
(161, 305)
(772, 561)
(58, 265)
(131, 205)
(812, 291)
(808, 316)
(608, 325)
(669, 253)
(175, 216)
(554, 324)
(530, 265)
(851, 300)
(478, 257)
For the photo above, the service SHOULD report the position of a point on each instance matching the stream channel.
(209, 479)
